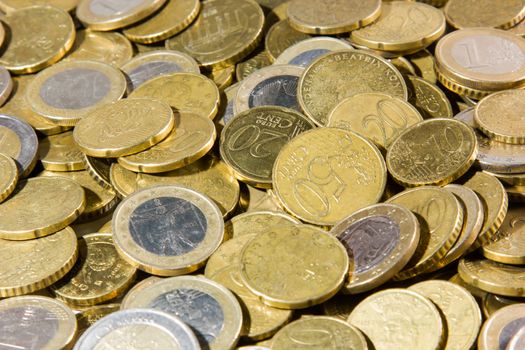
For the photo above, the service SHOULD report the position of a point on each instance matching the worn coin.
(8, 176)
(107, 47)
(484, 13)
(256, 222)
(509, 179)
(305, 51)
(509, 247)
(429, 100)
(60, 153)
(254, 199)
(19, 141)
(280, 37)
(499, 329)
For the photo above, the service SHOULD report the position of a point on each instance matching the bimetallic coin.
(429, 100)
(280, 37)
(256, 222)
(484, 13)
(251, 65)
(517, 341)
(36, 322)
(167, 230)
(138, 329)
(509, 248)
(137, 289)
(305, 51)
(6, 85)
(499, 329)
(106, 47)
(19, 141)
(60, 153)
(8, 176)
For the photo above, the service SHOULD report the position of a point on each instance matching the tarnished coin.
(341, 74)
(433, 152)
(104, 15)
(251, 65)
(87, 317)
(60, 153)
(429, 100)
(517, 341)
(18, 141)
(99, 169)
(11, 5)
(223, 34)
(256, 222)
(107, 47)
(8, 176)
(167, 230)
(399, 319)
(34, 264)
(484, 13)
(379, 117)
(280, 37)
(35, 44)
(509, 248)
(499, 329)
(139, 328)
(380, 239)
(305, 51)
(36, 322)
(493, 302)
(6, 85)
(211, 310)
(324, 175)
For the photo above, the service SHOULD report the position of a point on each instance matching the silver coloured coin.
(304, 52)
(517, 342)
(19, 141)
(6, 85)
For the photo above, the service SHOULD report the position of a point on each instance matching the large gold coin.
(429, 100)
(8, 176)
(41, 206)
(484, 13)
(60, 153)
(499, 329)
(433, 152)
(324, 175)
(257, 222)
(341, 74)
(510, 245)
(8, 6)
(280, 37)
(37, 263)
(124, 127)
(107, 47)
(223, 34)
(294, 267)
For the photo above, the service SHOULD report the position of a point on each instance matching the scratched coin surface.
(499, 329)
(280, 37)
(484, 13)
(305, 51)
(256, 222)
(18, 140)
(429, 100)
(223, 34)
(8, 176)
(60, 153)
(208, 308)
(509, 248)
(167, 230)
(107, 47)
(340, 74)
(380, 239)
(36, 322)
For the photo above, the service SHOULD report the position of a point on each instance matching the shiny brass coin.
(440, 218)
(484, 13)
(424, 63)
(499, 329)
(8, 6)
(433, 152)
(429, 100)
(106, 47)
(89, 226)
(492, 303)
(402, 26)
(324, 175)
(389, 55)
(207, 175)
(39, 207)
(380, 239)
(174, 17)
(36, 44)
(60, 153)
(167, 230)
(222, 77)
(294, 267)
(35, 321)
(305, 51)
(19, 141)
(37, 263)
(99, 275)
(252, 140)
(223, 33)
(227, 255)
(254, 199)
(251, 65)
(476, 292)
(99, 169)
(185, 92)
(332, 17)
(509, 248)
(192, 137)
(210, 309)
(377, 116)
(104, 15)
(403, 65)
(88, 317)
(8, 176)
(341, 74)
(124, 127)
(509, 179)
(280, 37)
(106, 228)
(256, 222)
(462, 313)
(383, 315)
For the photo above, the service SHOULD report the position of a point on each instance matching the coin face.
(8, 176)
(500, 328)
(18, 141)
(429, 100)
(106, 47)
(509, 248)
(341, 74)
(306, 51)
(280, 37)
(485, 13)
(256, 222)
(60, 153)
(227, 255)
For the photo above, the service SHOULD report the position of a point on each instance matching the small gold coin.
(107, 47)
(99, 275)
(172, 18)
(509, 248)
(223, 34)
(87, 317)
(325, 174)
(254, 199)
(492, 303)
(305, 51)
(484, 13)
(34, 264)
(192, 137)
(402, 26)
(509, 179)
(424, 63)
(341, 74)
(256, 222)
(429, 100)
(244, 69)
(8, 176)
(184, 92)
(332, 16)
(60, 153)
(8, 6)
(222, 77)
(38, 322)
(462, 313)
(379, 117)
(105, 15)
(499, 329)
(35, 44)
(433, 152)
(99, 169)
(167, 230)
(399, 319)
(280, 37)
(294, 267)
(440, 217)
(476, 292)
(124, 127)
(39, 207)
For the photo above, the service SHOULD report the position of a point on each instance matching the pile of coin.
(270, 174)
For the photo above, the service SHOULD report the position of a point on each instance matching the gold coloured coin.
(8, 176)
(34, 264)
(227, 255)
(341, 74)
(434, 152)
(6, 85)
(254, 199)
(476, 292)
(251, 65)
(99, 275)
(172, 18)
(492, 303)
(312, 264)
(379, 117)
(518, 29)
(18, 140)
(124, 127)
(256, 222)
(36, 321)
(429, 100)
(499, 329)
(8, 6)
(484, 13)
(99, 169)
(222, 77)
(40, 206)
(509, 248)
(167, 230)
(60, 153)
(106, 47)
(280, 37)
(402, 26)
(509, 179)
(305, 51)
(223, 34)
(424, 63)
(325, 174)
(35, 44)
(383, 315)
(87, 317)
